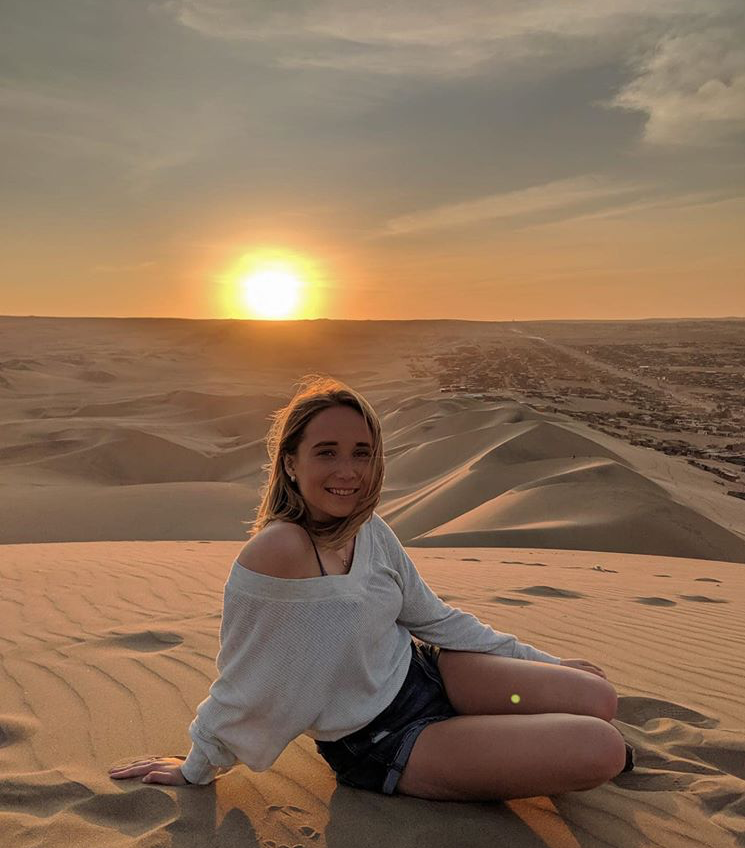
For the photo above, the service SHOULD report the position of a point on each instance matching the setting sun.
(271, 292)
(271, 284)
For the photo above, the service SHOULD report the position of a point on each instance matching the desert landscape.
(579, 484)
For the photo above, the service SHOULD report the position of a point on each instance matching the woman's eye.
(359, 455)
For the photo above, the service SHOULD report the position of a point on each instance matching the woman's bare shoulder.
(275, 550)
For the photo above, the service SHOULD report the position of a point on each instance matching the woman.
(319, 612)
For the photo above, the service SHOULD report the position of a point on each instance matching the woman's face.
(333, 462)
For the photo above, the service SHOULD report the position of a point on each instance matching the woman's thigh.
(489, 757)
(485, 684)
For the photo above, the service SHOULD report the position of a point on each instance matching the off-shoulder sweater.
(323, 656)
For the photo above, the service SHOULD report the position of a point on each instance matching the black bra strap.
(323, 570)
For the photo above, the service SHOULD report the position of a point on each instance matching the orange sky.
(498, 163)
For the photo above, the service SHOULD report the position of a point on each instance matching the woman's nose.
(345, 468)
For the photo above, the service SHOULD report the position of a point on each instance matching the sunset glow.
(271, 292)
(271, 284)
(326, 162)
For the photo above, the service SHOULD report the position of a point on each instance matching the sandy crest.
(108, 647)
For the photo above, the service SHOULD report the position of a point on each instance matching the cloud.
(552, 196)
(434, 37)
(692, 88)
(686, 200)
(434, 23)
(685, 59)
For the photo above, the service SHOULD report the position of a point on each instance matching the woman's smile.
(342, 493)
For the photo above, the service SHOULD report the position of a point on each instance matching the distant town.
(672, 387)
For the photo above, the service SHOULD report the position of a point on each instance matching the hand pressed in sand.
(154, 770)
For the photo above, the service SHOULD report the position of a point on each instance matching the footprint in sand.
(520, 562)
(511, 602)
(678, 756)
(550, 592)
(637, 710)
(707, 580)
(655, 781)
(470, 559)
(288, 818)
(145, 640)
(656, 602)
(661, 575)
(728, 759)
(702, 599)
(16, 728)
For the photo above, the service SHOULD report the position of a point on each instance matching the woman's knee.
(607, 700)
(604, 749)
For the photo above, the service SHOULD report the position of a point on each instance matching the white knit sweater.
(323, 655)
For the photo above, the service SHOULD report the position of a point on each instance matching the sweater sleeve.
(252, 711)
(433, 621)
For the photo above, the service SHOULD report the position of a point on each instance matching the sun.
(271, 284)
(271, 292)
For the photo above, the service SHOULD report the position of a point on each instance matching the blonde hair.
(280, 497)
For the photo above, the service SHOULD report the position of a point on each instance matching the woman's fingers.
(593, 669)
(160, 770)
(132, 770)
(170, 775)
(131, 765)
(157, 776)
(585, 665)
(135, 768)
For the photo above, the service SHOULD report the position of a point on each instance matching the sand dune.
(108, 647)
(601, 505)
(177, 438)
(152, 430)
(193, 406)
(508, 476)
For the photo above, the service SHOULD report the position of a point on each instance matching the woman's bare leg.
(489, 757)
(485, 684)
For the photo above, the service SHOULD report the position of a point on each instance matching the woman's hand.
(155, 770)
(585, 665)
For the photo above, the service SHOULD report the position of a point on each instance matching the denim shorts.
(373, 757)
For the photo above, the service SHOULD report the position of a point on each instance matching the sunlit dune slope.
(508, 475)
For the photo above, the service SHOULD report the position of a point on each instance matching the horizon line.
(375, 320)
